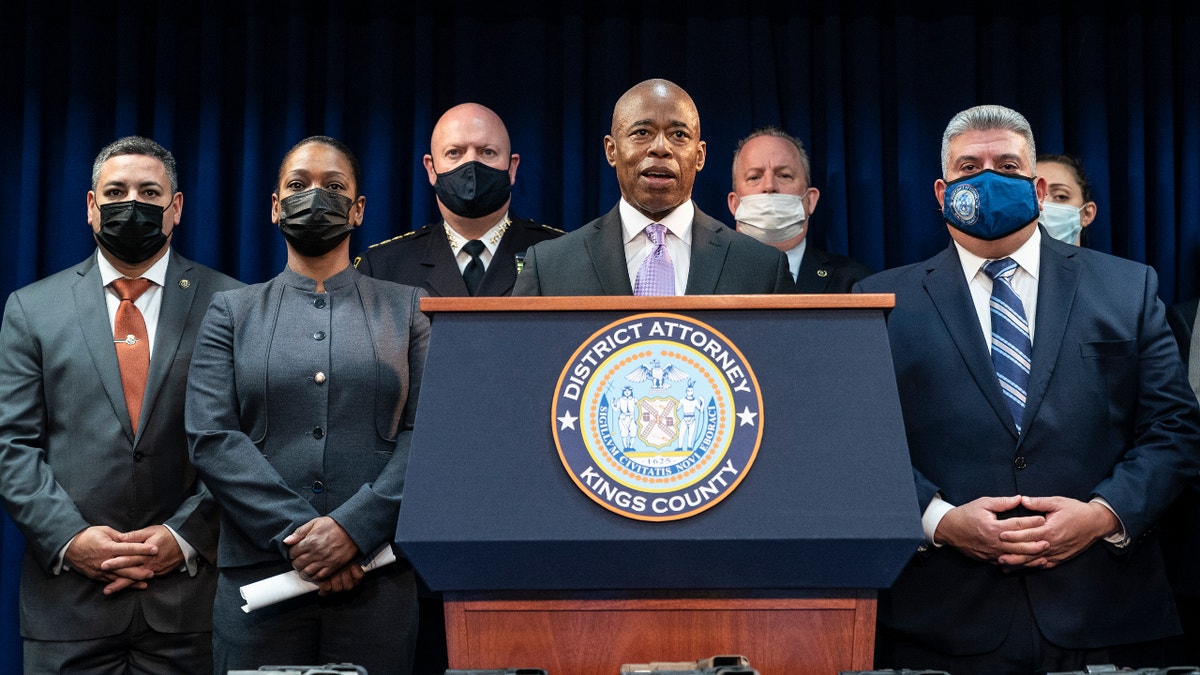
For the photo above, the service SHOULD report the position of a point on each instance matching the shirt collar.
(678, 221)
(490, 239)
(1028, 257)
(795, 256)
(157, 272)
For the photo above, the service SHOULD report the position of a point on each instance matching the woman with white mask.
(1068, 206)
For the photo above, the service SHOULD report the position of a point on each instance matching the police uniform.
(425, 259)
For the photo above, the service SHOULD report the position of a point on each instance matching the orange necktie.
(133, 347)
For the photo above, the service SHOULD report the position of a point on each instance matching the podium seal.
(657, 417)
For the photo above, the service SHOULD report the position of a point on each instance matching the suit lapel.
(443, 276)
(91, 306)
(951, 297)
(1057, 283)
(710, 244)
(807, 280)
(178, 294)
(606, 249)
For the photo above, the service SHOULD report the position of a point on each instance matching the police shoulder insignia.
(396, 238)
(657, 417)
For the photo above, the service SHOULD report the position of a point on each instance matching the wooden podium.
(784, 570)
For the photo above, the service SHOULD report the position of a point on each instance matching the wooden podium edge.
(630, 303)
(463, 629)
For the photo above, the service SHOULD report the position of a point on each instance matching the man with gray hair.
(120, 535)
(1049, 423)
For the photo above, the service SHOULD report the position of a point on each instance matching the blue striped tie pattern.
(1011, 346)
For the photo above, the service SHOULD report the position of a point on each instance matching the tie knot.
(1000, 269)
(473, 248)
(131, 289)
(655, 233)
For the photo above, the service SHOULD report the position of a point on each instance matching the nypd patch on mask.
(657, 417)
(964, 202)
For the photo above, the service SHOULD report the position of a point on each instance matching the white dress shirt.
(678, 240)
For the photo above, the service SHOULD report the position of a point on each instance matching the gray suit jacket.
(301, 404)
(71, 460)
(591, 261)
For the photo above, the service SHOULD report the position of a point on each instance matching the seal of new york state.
(657, 417)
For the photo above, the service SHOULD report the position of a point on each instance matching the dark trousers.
(431, 657)
(137, 650)
(1024, 651)
(373, 626)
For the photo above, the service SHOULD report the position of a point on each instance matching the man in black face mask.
(478, 247)
(1049, 424)
(476, 250)
(120, 536)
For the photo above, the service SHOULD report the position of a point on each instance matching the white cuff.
(189, 554)
(937, 508)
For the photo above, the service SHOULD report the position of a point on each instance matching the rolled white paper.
(290, 584)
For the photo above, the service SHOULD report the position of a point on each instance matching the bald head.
(470, 132)
(467, 127)
(655, 146)
(652, 93)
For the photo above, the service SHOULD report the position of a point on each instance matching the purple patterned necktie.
(657, 274)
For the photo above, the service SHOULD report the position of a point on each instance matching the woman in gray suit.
(300, 409)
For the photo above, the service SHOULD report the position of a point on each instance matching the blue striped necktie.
(1011, 346)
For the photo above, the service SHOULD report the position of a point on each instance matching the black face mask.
(315, 221)
(132, 231)
(473, 189)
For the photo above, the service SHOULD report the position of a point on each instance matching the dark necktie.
(473, 273)
(656, 276)
(132, 344)
(1011, 346)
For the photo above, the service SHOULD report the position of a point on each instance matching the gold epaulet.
(396, 238)
(552, 229)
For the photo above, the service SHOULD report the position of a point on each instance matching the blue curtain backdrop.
(228, 88)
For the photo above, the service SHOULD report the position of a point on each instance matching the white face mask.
(771, 217)
(1061, 221)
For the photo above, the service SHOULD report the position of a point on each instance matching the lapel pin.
(184, 283)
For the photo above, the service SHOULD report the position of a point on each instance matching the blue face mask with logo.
(989, 205)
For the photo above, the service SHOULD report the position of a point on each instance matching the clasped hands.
(1060, 529)
(322, 551)
(124, 559)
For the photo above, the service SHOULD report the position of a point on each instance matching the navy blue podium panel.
(827, 502)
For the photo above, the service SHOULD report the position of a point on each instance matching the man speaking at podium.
(655, 241)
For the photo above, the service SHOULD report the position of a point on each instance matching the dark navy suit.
(825, 272)
(1109, 413)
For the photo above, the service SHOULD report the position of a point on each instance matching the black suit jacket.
(591, 261)
(1181, 526)
(423, 258)
(825, 272)
(1108, 413)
